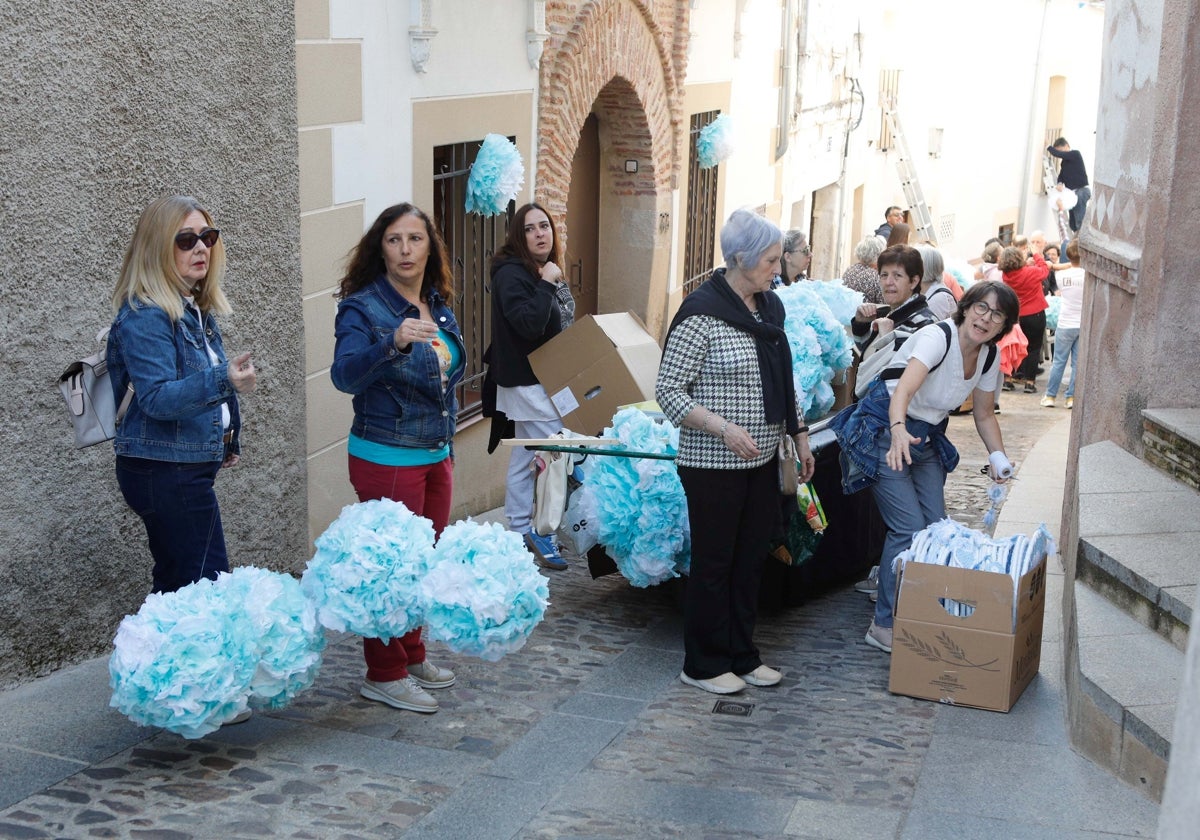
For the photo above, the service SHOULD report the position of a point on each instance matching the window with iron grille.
(470, 240)
(701, 237)
(889, 93)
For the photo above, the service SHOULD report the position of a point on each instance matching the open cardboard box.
(984, 660)
(596, 365)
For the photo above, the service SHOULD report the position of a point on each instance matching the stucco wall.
(105, 107)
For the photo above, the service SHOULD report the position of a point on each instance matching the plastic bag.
(578, 529)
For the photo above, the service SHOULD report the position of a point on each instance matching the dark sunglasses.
(186, 240)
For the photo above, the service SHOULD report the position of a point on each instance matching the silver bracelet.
(724, 424)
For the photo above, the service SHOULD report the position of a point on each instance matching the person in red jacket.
(1026, 281)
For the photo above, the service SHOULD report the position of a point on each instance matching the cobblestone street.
(586, 732)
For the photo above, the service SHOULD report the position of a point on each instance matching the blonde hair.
(148, 273)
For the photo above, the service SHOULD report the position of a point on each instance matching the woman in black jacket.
(531, 303)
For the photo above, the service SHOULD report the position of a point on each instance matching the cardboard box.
(984, 660)
(596, 365)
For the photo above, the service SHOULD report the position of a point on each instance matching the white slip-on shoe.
(727, 683)
(762, 676)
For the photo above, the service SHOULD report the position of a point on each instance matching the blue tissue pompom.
(1055, 306)
(364, 575)
(816, 316)
(497, 175)
(641, 510)
(483, 595)
(715, 142)
(191, 660)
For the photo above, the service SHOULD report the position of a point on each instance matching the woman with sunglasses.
(894, 439)
(182, 424)
(794, 261)
(399, 352)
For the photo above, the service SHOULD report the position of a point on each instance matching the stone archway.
(616, 59)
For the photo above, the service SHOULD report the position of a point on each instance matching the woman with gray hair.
(938, 296)
(863, 276)
(726, 382)
(796, 257)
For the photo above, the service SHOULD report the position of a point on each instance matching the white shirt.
(1070, 288)
(944, 389)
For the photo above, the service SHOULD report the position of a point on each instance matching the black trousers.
(1034, 327)
(733, 514)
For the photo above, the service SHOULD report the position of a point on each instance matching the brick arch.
(616, 47)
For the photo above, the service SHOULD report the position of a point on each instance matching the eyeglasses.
(994, 315)
(186, 240)
(805, 251)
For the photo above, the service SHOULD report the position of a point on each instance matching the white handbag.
(550, 489)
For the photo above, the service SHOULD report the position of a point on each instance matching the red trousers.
(426, 491)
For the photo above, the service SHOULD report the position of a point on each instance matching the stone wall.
(104, 108)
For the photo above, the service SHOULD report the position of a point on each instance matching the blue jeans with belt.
(183, 521)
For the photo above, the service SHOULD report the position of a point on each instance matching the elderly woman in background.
(987, 269)
(863, 275)
(937, 294)
(894, 440)
(398, 350)
(904, 309)
(182, 424)
(797, 256)
(1026, 280)
(726, 381)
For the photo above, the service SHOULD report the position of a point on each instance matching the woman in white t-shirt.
(1066, 334)
(894, 439)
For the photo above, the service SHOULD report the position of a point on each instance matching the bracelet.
(897, 423)
(803, 430)
(724, 423)
(706, 420)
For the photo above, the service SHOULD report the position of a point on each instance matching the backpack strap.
(895, 373)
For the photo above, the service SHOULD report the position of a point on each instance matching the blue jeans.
(183, 522)
(909, 500)
(1075, 214)
(1066, 343)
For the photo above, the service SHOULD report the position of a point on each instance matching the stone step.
(1121, 707)
(1138, 535)
(1171, 437)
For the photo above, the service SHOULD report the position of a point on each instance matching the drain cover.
(733, 707)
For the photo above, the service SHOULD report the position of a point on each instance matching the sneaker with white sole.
(762, 676)
(400, 694)
(727, 683)
(1070, 402)
(428, 675)
(871, 583)
(545, 552)
(880, 637)
(1047, 401)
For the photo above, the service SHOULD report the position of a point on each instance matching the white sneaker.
(869, 585)
(727, 683)
(400, 694)
(428, 675)
(879, 637)
(1048, 401)
(762, 676)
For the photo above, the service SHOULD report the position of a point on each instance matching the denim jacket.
(861, 427)
(399, 398)
(175, 414)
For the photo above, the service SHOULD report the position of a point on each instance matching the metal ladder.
(908, 176)
(1049, 173)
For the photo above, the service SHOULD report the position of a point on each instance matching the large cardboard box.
(984, 660)
(597, 364)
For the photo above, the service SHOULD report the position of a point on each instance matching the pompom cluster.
(364, 575)
(641, 510)
(482, 595)
(816, 318)
(190, 661)
(948, 543)
(1055, 306)
(715, 142)
(497, 175)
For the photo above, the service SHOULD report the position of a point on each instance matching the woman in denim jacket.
(182, 424)
(400, 353)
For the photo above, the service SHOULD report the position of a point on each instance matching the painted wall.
(98, 119)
